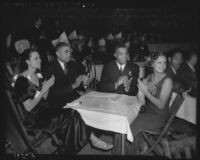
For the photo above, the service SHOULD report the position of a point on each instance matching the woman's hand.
(142, 86)
(46, 94)
(47, 84)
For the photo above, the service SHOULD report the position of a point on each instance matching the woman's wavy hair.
(25, 56)
(155, 56)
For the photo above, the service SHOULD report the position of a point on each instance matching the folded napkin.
(73, 35)
(72, 104)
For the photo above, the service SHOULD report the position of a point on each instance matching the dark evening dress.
(69, 126)
(153, 118)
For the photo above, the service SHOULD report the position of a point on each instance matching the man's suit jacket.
(187, 77)
(177, 86)
(62, 92)
(169, 71)
(111, 73)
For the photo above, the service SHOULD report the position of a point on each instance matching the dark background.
(177, 21)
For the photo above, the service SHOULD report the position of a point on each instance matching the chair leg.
(188, 152)
(152, 146)
(166, 148)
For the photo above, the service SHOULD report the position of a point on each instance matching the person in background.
(39, 39)
(31, 90)
(141, 49)
(175, 59)
(184, 79)
(86, 67)
(120, 76)
(100, 50)
(57, 28)
(186, 74)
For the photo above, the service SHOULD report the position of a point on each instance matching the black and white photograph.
(113, 79)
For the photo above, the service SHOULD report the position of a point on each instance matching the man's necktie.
(121, 69)
(65, 69)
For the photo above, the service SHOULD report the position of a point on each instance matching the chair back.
(174, 107)
(19, 121)
(176, 104)
(9, 89)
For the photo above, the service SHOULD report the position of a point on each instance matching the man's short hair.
(190, 53)
(173, 51)
(62, 44)
(119, 45)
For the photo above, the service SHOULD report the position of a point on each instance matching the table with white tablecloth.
(187, 110)
(108, 111)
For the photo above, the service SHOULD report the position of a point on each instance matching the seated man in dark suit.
(120, 76)
(175, 59)
(67, 80)
(67, 77)
(186, 73)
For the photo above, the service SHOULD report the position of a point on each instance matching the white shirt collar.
(62, 64)
(192, 68)
(119, 65)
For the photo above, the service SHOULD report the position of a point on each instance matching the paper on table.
(72, 104)
(101, 94)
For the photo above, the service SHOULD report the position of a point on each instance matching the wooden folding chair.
(160, 136)
(39, 136)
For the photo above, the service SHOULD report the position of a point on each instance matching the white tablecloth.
(108, 111)
(187, 110)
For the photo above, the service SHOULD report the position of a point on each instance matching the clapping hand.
(121, 80)
(86, 80)
(185, 93)
(142, 85)
(78, 81)
(47, 84)
(127, 83)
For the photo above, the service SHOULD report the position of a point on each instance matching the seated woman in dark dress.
(31, 91)
(157, 90)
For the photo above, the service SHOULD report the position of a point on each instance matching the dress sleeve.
(23, 90)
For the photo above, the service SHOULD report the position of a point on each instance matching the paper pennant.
(73, 35)
(118, 36)
(110, 37)
(22, 45)
(102, 42)
(62, 38)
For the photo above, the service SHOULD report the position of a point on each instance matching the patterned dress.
(68, 124)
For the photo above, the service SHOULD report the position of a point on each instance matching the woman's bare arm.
(164, 94)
